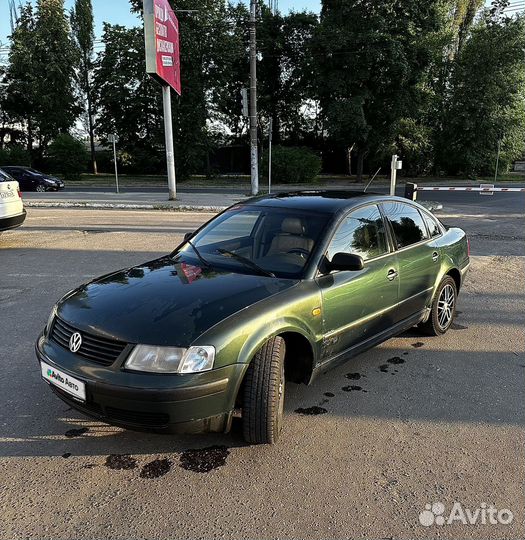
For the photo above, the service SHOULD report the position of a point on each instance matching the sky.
(117, 12)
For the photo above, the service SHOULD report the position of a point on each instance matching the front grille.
(95, 348)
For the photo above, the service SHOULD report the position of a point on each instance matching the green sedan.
(279, 288)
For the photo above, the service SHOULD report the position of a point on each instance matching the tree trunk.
(30, 136)
(91, 126)
(360, 163)
(349, 151)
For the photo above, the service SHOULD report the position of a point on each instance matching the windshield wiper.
(201, 258)
(247, 262)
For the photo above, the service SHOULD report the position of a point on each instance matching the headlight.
(171, 359)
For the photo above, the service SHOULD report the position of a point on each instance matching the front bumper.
(196, 403)
(12, 222)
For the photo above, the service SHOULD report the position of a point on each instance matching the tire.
(443, 309)
(40, 188)
(263, 397)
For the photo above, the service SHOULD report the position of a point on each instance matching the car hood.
(164, 302)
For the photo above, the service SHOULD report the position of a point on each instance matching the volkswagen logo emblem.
(75, 341)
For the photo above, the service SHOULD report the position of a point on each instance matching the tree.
(84, 37)
(486, 102)
(284, 70)
(67, 156)
(54, 61)
(20, 100)
(371, 62)
(127, 99)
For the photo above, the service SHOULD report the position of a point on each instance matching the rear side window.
(407, 223)
(362, 233)
(432, 225)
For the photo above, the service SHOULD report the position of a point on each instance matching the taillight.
(19, 193)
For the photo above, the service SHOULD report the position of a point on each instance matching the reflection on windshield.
(260, 240)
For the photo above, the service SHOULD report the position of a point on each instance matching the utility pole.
(254, 154)
(170, 153)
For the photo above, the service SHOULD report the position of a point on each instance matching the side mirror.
(187, 236)
(346, 262)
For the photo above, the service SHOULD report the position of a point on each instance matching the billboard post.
(161, 33)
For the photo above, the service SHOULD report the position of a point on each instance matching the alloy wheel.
(445, 308)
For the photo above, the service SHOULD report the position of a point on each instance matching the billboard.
(161, 31)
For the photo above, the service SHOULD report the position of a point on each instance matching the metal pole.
(115, 159)
(497, 162)
(270, 136)
(393, 175)
(168, 132)
(253, 99)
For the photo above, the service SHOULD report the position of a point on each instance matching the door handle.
(392, 274)
(435, 256)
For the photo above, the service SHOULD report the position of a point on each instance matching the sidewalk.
(198, 202)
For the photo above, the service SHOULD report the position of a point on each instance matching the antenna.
(373, 178)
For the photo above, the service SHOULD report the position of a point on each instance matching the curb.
(123, 206)
(430, 205)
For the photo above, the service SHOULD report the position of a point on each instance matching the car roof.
(325, 201)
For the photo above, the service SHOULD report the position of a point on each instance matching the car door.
(418, 257)
(357, 305)
(22, 179)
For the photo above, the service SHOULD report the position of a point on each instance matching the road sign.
(161, 31)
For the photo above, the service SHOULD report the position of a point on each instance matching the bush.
(292, 165)
(68, 156)
(15, 155)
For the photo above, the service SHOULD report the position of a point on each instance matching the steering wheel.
(300, 251)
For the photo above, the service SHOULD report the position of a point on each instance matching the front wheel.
(443, 308)
(40, 188)
(263, 399)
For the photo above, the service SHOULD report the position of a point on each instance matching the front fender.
(238, 337)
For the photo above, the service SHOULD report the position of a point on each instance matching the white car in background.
(12, 213)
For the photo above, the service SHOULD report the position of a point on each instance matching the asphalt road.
(509, 202)
(443, 424)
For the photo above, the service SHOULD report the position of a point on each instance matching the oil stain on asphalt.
(396, 360)
(71, 433)
(353, 388)
(311, 411)
(329, 394)
(119, 462)
(354, 376)
(155, 468)
(204, 460)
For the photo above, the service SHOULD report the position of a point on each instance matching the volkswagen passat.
(276, 289)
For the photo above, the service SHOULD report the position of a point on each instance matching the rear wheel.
(263, 399)
(443, 308)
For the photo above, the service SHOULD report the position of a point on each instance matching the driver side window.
(362, 233)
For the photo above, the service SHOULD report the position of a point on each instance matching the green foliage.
(15, 155)
(371, 67)
(486, 102)
(41, 73)
(67, 156)
(83, 33)
(54, 62)
(414, 142)
(292, 165)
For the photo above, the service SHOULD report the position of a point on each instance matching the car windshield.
(257, 240)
